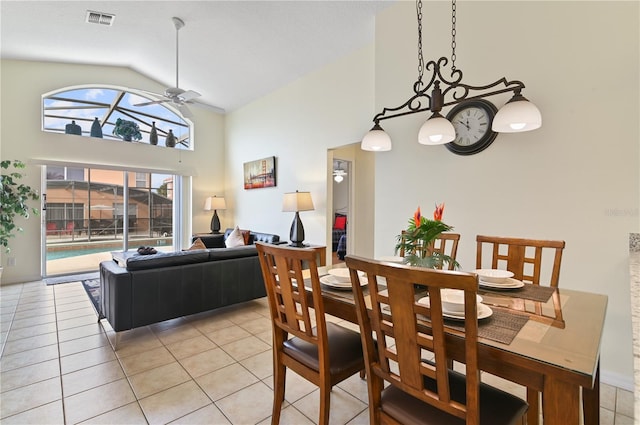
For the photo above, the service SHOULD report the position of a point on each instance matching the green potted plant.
(13, 200)
(128, 130)
(417, 240)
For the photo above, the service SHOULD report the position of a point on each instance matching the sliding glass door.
(91, 212)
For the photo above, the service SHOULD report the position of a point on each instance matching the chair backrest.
(444, 244)
(394, 355)
(523, 257)
(291, 313)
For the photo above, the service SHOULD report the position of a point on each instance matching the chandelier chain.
(420, 57)
(453, 35)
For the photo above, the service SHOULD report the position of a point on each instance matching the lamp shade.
(376, 140)
(214, 203)
(517, 115)
(437, 130)
(297, 201)
(338, 178)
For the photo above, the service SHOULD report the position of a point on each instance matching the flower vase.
(170, 141)
(153, 134)
(73, 128)
(96, 128)
(126, 138)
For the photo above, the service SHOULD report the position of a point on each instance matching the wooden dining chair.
(444, 244)
(524, 258)
(421, 391)
(322, 352)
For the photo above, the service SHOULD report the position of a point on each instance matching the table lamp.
(295, 202)
(214, 203)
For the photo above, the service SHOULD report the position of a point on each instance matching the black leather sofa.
(163, 286)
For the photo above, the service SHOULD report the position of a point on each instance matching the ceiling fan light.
(437, 130)
(376, 140)
(338, 178)
(516, 116)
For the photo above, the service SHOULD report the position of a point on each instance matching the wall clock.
(472, 120)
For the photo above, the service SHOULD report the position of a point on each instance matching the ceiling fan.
(179, 97)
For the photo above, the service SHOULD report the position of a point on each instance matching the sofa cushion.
(166, 259)
(235, 238)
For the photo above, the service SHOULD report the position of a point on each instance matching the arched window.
(74, 109)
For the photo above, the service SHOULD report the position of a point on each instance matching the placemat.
(501, 326)
(527, 292)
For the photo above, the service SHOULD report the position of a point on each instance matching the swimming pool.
(66, 253)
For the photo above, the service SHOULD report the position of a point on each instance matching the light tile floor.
(58, 367)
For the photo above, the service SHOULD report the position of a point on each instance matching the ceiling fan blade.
(186, 112)
(188, 95)
(153, 102)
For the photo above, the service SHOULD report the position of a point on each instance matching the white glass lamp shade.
(517, 115)
(376, 140)
(338, 178)
(297, 201)
(437, 130)
(214, 203)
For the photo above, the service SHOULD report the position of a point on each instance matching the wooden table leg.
(533, 414)
(560, 402)
(591, 401)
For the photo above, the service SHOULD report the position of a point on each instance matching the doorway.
(353, 196)
(90, 212)
(341, 201)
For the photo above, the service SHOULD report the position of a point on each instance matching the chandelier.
(517, 115)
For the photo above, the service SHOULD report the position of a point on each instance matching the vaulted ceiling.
(231, 52)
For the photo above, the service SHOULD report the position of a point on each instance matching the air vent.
(100, 18)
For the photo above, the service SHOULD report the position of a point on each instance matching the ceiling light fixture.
(339, 173)
(517, 115)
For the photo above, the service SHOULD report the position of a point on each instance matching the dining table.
(546, 339)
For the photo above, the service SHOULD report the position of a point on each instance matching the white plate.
(342, 274)
(453, 299)
(484, 311)
(331, 281)
(510, 283)
(493, 275)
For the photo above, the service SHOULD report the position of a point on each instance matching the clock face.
(472, 121)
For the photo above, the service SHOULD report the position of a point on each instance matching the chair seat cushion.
(345, 350)
(497, 407)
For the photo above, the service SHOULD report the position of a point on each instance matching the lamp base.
(215, 223)
(298, 245)
(296, 235)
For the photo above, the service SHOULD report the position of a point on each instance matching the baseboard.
(617, 380)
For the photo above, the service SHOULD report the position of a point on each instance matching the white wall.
(574, 179)
(23, 83)
(327, 109)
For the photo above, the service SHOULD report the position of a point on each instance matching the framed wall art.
(260, 173)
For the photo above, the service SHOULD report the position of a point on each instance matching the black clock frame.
(487, 139)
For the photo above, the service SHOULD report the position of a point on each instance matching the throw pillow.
(197, 244)
(246, 235)
(235, 238)
(340, 223)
